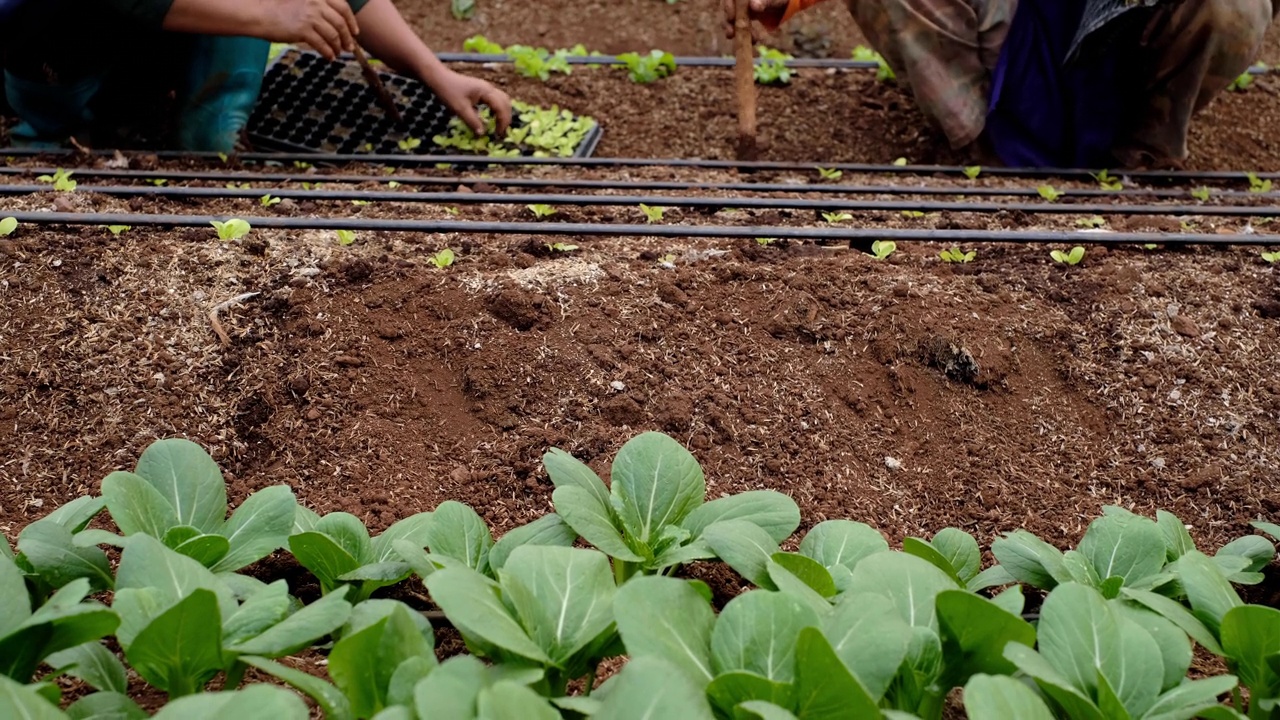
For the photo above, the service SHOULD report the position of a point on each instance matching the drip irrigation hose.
(669, 201)
(705, 164)
(664, 231)
(449, 181)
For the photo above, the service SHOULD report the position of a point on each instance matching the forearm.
(386, 35)
(215, 17)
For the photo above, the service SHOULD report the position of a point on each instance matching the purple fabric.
(1045, 112)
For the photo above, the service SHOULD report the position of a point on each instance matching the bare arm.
(326, 25)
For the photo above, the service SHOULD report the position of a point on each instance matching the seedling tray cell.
(310, 104)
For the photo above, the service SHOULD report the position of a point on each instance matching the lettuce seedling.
(561, 247)
(158, 182)
(912, 214)
(360, 203)
(462, 9)
(772, 68)
(1073, 257)
(268, 200)
(884, 73)
(1271, 257)
(482, 45)
(1049, 192)
(409, 144)
(117, 230)
(61, 180)
(233, 229)
(338, 550)
(900, 162)
(652, 214)
(972, 172)
(539, 62)
(830, 173)
(1093, 221)
(177, 495)
(541, 211)
(1202, 194)
(1109, 182)
(346, 237)
(956, 255)
(1241, 83)
(836, 217)
(393, 184)
(8, 225)
(881, 249)
(247, 186)
(1257, 184)
(765, 242)
(442, 259)
(649, 68)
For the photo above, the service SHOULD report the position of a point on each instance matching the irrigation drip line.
(451, 181)
(411, 160)
(1080, 237)
(668, 201)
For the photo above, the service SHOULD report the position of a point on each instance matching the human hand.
(326, 25)
(759, 9)
(462, 93)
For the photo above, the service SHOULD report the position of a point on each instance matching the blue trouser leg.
(49, 114)
(222, 85)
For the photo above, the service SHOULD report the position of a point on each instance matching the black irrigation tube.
(705, 164)
(664, 231)
(669, 201)
(448, 181)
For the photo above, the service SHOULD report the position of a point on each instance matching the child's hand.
(461, 93)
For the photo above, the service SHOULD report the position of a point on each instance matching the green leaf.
(567, 471)
(775, 513)
(506, 700)
(731, 689)
(911, 583)
(181, 649)
(22, 701)
(592, 520)
(841, 542)
(136, 506)
(326, 559)
(189, 479)
(261, 609)
(105, 706)
(650, 687)
(1075, 704)
(1003, 698)
(757, 633)
(1030, 560)
(452, 689)
(152, 578)
(354, 665)
(15, 603)
(94, 664)
(76, 515)
(666, 618)
(809, 571)
(472, 603)
(1139, 673)
(1255, 549)
(975, 632)
(923, 550)
(304, 520)
(458, 532)
(383, 573)
(204, 549)
(1250, 635)
(1177, 541)
(994, 576)
(414, 529)
(745, 547)
(1124, 545)
(349, 533)
(178, 534)
(255, 702)
(870, 637)
(258, 527)
(1190, 699)
(563, 596)
(762, 710)
(961, 552)
(825, 689)
(547, 530)
(331, 700)
(53, 554)
(1177, 614)
(656, 482)
(1208, 591)
(299, 630)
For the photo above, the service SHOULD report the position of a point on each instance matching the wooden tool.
(745, 79)
(371, 76)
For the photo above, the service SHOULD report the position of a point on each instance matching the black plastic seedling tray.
(310, 104)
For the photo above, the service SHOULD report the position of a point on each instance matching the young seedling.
(442, 259)
(61, 180)
(956, 255)
(541, 211)
(772, 68)
(481, 45)
(652, 214)
(232, 229)
(884, 73)
(882, 249)
(247, 186)
(409, 144)
(1093, 221)
(158, 182)
(912, 214)
(973, 171)
(7, 226)
(649, 68)
(668, 261)
(837, 217)
(300, 165)
(830, 173)
(1150, 246)
(393, 184)
(117, 230)
(1049, 192)
(900, 162)
(359, 203)
(1073, 257)
(223, 157)
(1271, 257)
(462, 9)
(539, 63)
(1241, 83)
(765, 242)
(1202, 194)
(1109, 182)
(561, 247)
(346, 237)
(1257, 184)
(268, 200)
(452, 211)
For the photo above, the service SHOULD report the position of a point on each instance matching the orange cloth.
(775, 21)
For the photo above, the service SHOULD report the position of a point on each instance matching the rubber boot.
(49, 114)
(222, 86)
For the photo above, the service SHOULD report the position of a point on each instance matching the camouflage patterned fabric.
(946, 51)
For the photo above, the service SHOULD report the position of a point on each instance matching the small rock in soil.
(348, 361)
(300, 384)
(622, 411)
(1185, 326)
(313, 415)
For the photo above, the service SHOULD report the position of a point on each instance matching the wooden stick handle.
(371, 76)
(745, 80)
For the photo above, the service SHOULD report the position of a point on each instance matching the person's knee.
(1239, 25)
